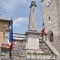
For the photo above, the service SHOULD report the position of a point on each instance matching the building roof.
(3, 18)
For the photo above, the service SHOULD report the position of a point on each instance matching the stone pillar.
(32, 18)
(0, 50)
(32, 36)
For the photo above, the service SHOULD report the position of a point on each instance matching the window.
(49, 18)
(5, 25)
(51, 37)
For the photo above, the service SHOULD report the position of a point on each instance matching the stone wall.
(53, 11)
(19, 52)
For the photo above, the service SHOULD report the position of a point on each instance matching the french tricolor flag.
(11, 34)
(43, 29)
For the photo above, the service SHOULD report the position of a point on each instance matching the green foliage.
(34, 53)
(29, 53)
(38, 53)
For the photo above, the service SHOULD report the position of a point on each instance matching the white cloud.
(20, 21)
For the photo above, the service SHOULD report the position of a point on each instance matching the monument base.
(32, 40)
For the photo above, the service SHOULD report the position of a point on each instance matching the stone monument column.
(32, 18)
(32, 36)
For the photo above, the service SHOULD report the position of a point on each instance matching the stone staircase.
(44, 47)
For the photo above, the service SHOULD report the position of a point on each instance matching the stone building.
(4, 25)
(4, 31)
(32, 45)
(51, 19)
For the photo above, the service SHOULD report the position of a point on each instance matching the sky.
(19, 11)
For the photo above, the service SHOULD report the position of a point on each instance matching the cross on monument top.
(33, 3)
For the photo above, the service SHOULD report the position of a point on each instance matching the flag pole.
(10, 37)
(10, 53)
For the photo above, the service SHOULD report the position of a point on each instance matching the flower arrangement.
(38, 53)
(29, 53)
(34, 53)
